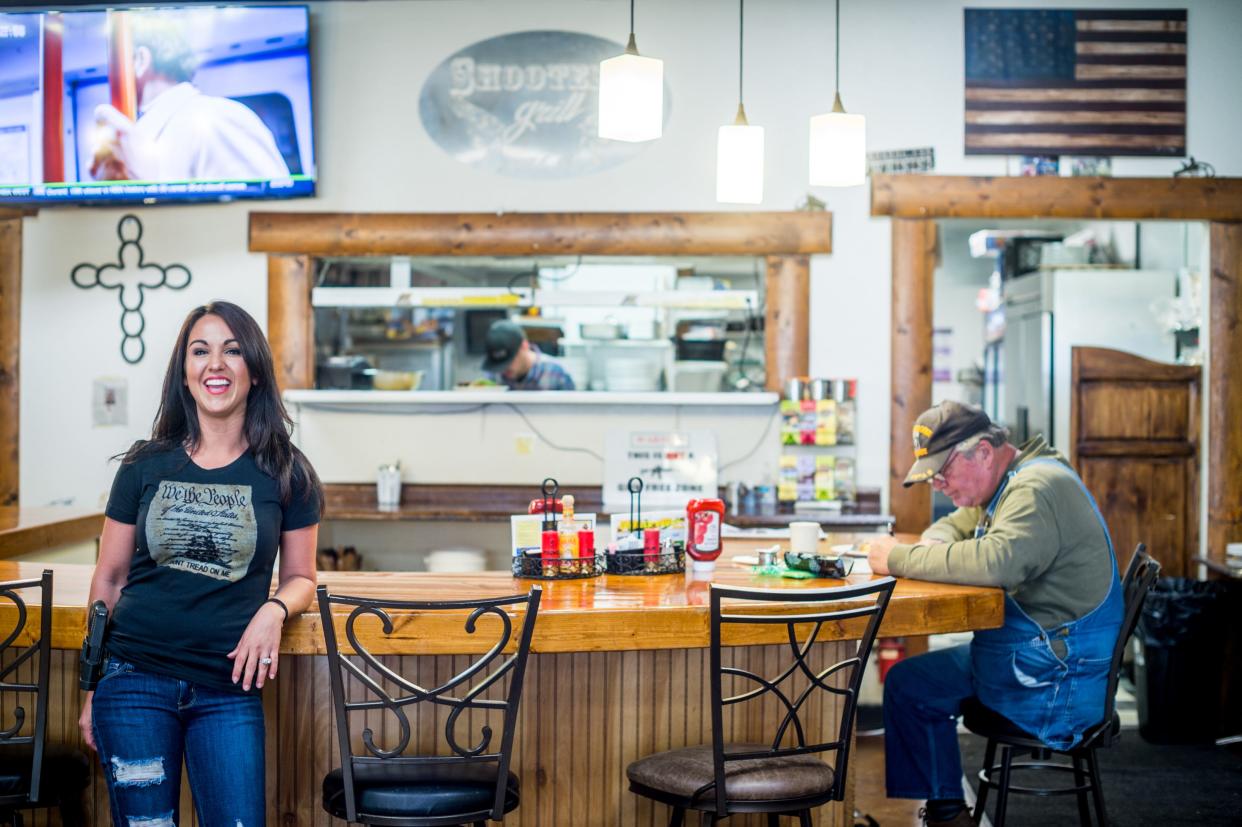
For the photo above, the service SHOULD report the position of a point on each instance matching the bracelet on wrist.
(281, 604)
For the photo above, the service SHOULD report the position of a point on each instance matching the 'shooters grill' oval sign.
(526, 105)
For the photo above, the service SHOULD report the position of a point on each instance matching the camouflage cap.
(941, 430)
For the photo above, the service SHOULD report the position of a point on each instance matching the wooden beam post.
(914, 265)
(10, 356)
(1049, 196)
(1225, 355)
(542, 234)
(787, 320)
(291, 321)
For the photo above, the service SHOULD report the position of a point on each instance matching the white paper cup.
(388, 487)
(803, 537)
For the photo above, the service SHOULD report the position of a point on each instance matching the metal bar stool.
(1010, 738)
(32, 773)
(785, 775)
(466, 782)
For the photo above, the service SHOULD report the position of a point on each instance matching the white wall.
(901, 66)
(508, 444)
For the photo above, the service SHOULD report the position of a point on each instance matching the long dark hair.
(267, 427)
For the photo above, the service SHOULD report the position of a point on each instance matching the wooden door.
(1134, 432)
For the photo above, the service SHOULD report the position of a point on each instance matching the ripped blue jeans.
(146, 723)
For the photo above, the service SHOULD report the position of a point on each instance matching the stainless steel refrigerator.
(1046, 313)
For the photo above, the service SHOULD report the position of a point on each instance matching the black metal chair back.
(11, 735)
(1141, 573)
(877, 594)
(409, 694)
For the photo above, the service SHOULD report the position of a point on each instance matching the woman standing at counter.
(192, 528)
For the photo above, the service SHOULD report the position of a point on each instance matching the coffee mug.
(803, 537)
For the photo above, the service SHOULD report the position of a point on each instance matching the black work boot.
(962, 819)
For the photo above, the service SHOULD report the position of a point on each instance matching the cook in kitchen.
(513, 361)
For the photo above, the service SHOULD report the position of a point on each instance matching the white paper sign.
(672, 524)
(110, 402)
(526, 531)
(675, 467)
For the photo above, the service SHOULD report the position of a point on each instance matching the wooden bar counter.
(26, 530)
(618, 670)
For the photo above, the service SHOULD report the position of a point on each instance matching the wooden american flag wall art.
(1076, 82)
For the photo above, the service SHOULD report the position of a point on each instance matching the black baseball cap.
(501, 344)
(938, 432)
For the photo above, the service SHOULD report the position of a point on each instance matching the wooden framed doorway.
(914, 202)
(785, 240)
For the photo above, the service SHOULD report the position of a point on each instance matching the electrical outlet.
(524, 444)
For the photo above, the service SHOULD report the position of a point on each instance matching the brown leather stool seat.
(688, 774)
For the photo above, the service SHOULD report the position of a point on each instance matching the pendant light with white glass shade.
(739, 147)
(631, 94)
(838, 139)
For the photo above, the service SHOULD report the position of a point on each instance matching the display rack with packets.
(817, 414)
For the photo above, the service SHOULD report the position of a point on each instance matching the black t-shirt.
(202, 566)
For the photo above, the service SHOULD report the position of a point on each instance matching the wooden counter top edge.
(38, 536)
(615, 629)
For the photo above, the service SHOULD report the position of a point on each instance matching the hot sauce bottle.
(549, 553)
(567, 530)
(704, 519)
(651, 550)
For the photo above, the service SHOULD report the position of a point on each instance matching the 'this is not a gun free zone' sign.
(675, 467)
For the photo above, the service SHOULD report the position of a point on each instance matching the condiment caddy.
(566, 549)
(642, 548)
(552, 542)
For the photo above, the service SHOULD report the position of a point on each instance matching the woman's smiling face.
(215, 370)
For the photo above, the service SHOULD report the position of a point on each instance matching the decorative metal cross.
(131, 277)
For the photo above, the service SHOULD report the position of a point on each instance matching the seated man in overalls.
(1024, 522)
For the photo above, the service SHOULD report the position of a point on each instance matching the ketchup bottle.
(704, 519)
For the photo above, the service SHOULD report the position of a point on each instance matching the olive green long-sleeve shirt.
(1045, 546)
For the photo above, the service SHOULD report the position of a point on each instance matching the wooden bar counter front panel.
(619, 669)
(584, 717)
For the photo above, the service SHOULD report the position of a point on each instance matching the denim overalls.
(1017, 672)
(1014, 670)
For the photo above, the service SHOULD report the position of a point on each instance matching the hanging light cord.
(631, 48)
(836, 96)
(837, 79)
(741, 31)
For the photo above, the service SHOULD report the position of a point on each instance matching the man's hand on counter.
(877, 554)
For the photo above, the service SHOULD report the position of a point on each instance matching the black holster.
(94, 655)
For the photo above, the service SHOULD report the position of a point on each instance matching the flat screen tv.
(155, 105)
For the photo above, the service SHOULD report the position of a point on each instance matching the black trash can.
(1180, 659)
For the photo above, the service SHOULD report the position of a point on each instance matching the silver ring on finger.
(265, 661)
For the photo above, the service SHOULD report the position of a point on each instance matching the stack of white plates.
(632, 375)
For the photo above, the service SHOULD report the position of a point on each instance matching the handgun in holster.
(91, 662)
